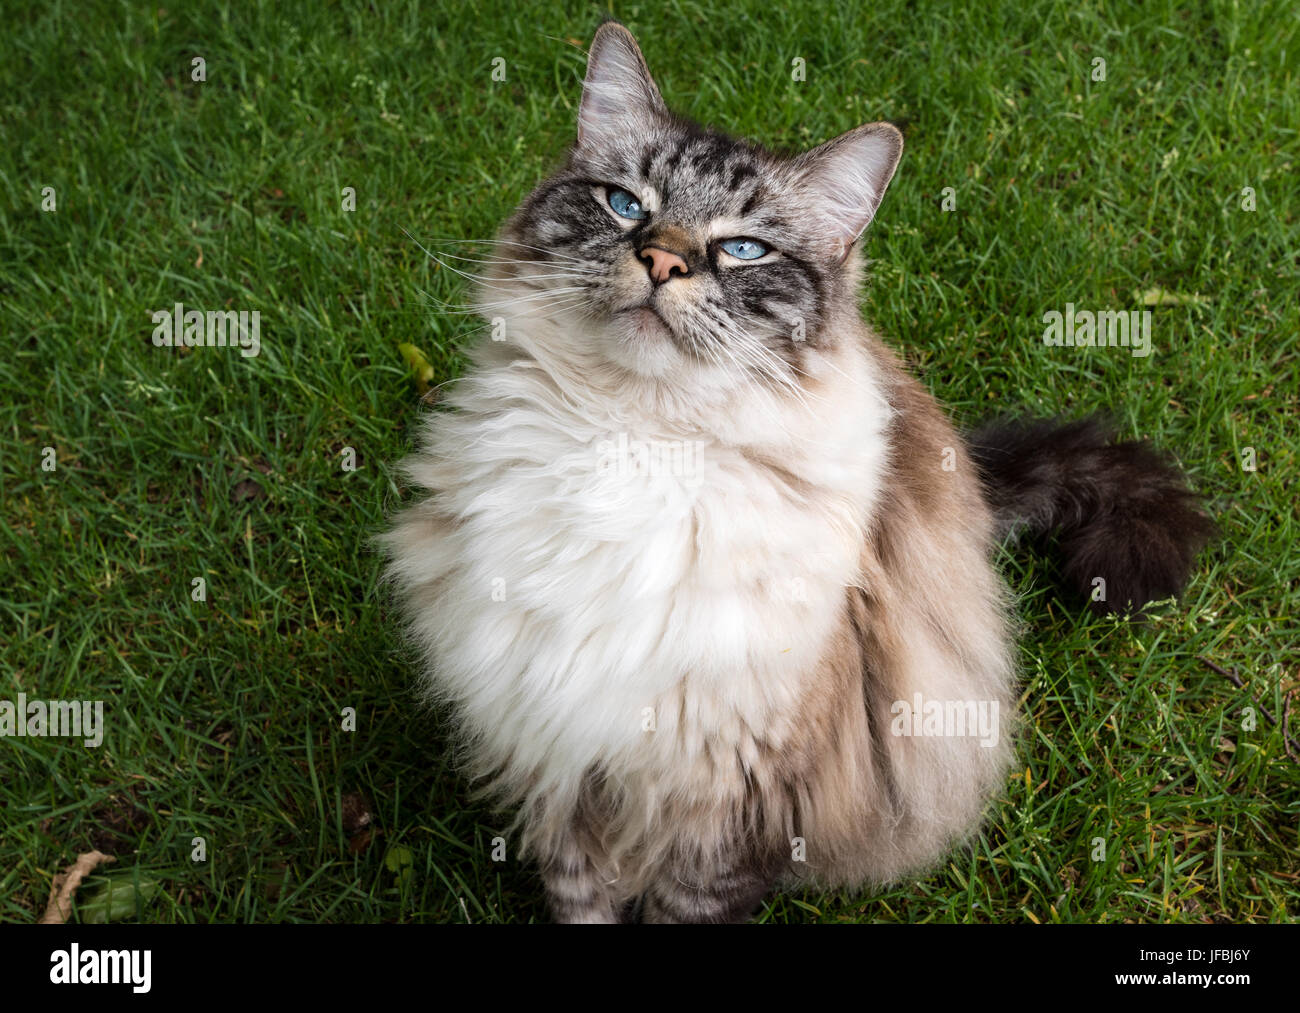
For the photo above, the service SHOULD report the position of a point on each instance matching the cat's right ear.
(846, 179)
(619, 97)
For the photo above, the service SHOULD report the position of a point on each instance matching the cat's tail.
(1129, 527)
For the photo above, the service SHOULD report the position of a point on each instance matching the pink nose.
(662, 263)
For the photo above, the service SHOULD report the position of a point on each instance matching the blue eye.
(744, 249)
(625, 205)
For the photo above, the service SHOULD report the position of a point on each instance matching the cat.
(702, 575)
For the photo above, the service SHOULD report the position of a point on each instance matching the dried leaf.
(1163, 297)
(65, 885)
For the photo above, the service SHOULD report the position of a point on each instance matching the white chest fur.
(596, 590)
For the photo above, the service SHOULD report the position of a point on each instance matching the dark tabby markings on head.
(700, 187)
(699, 177)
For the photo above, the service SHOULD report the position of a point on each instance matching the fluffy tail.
(1123, 511)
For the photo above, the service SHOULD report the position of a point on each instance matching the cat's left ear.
(619, 97)
(846, 178)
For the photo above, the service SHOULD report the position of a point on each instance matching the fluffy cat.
(697, 559)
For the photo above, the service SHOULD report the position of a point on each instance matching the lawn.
(1149, 788)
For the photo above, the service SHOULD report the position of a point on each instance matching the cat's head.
(678, 253)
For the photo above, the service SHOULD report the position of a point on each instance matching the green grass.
(224, 716)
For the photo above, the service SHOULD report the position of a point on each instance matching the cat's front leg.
(575, 889)
(726, 891)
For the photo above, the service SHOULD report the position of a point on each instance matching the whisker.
(502, 261)
(507, 242)
(488, 282)
(477, 308)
